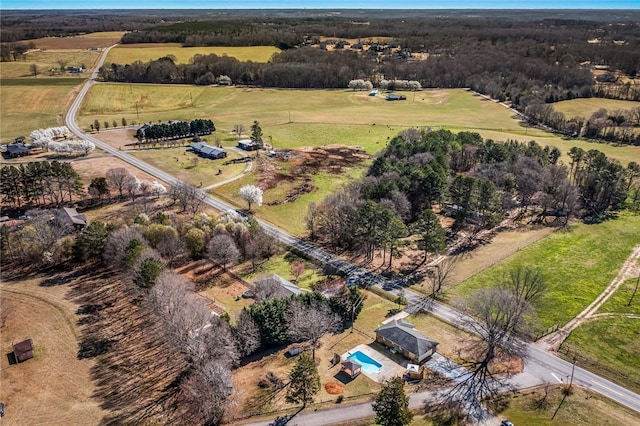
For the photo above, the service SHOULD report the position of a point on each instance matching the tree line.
(175, 130)
(476, 182)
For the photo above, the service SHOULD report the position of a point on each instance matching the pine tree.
(304, 381)
(256, 134)
(392, 405)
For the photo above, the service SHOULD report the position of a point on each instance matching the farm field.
(29, 104)
(307, 118)
(46, 60)
(99, 39)
(584, 107)
(128, 53)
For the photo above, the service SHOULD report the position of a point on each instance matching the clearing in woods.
(129, 53)
(584, 107)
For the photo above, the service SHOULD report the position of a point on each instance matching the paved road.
(540, 366)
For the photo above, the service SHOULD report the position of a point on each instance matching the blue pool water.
(369, 365)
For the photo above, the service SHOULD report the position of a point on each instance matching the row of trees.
(39, 183)
(616, 126)
(175, 130)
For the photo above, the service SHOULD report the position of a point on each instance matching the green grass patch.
(577, 264)
(288, 216)
(281, 265)
(31, 104)
(583, 408)
(619, 302)
(178, 162)
(302, 118)
(609, 347)
(129, 53)
(585, 107)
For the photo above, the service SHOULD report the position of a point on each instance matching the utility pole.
(137, 113)
(573, 368)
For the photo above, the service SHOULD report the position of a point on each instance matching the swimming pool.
(369, 365)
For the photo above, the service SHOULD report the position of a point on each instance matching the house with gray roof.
(401, 336)
(71, 217)
(272, 286)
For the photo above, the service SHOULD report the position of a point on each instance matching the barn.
(23, 350)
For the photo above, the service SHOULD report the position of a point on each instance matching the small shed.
(23, 350)
(351, 367)
(415, 372)
(247, 145)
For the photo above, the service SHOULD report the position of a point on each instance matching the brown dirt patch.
(55, 387)
(334, 388)
(297, 172)
(120, 138)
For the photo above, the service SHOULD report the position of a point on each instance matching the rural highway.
(539, 364)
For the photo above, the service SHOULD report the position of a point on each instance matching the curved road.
(540, 366)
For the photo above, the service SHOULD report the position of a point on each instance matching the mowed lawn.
(585, 107)
(128, 53)
(29, 104)
(577, 264)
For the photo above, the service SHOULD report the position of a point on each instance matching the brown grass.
(54, 388)
(87, 41)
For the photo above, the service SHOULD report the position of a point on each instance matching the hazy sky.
(320, 4)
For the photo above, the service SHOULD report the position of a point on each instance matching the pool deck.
(389, 369)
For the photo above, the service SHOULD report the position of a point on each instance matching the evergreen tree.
(392, 405)
(304, 381)
(256, 134)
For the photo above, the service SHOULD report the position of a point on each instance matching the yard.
(45, 60)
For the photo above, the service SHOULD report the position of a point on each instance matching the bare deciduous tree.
(246, 333)
(188, 197)
(117, 179)
(439, 277)
(297, 269)
(117, 243)
(310, 322)
(170, 246)
(223, 250)
(205, 393)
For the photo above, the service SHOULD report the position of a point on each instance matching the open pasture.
(29, 104)
(576, 263)
(584, 107)
(45, 60)
(128, 53)
(308, 118)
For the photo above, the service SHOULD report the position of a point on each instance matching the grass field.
(48, 59)
(295, 118)
(178, 162)
(128, 53)
(577, 265)
(584, 107)
(29, 104)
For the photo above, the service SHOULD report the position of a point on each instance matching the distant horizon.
(323, 5)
